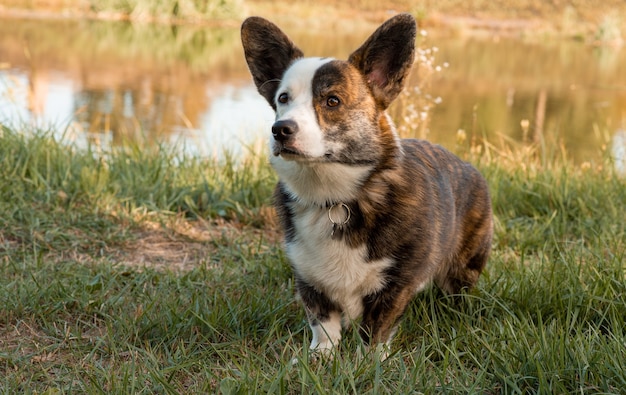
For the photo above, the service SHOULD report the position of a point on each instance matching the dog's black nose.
(282, 130)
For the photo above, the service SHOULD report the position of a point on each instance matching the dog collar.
(338, 214)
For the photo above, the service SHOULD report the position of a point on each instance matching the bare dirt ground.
(181, 245)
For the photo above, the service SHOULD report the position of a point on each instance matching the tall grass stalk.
(546, 317)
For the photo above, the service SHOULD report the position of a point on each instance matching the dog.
(369, 219)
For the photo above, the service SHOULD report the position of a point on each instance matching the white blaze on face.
(297, 83)
(308, 176)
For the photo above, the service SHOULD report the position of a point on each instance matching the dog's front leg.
(323, 315)
(381, 312)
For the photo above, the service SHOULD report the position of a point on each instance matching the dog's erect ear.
(269, 52)
(386, 57)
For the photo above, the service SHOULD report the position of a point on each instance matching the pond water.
(111, 82)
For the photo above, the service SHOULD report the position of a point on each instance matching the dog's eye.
(332, 101)
(283, 98)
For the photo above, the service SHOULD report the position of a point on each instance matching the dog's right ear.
(269, 52)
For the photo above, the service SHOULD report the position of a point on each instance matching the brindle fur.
(420, 206)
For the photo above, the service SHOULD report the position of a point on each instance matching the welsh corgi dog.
(369, 219)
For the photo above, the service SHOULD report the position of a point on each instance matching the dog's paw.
(380, 351)
(315, 356)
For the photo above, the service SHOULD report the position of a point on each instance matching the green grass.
(80, 316)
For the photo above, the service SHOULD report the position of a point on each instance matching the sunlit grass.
(546, 317)
(51, 190)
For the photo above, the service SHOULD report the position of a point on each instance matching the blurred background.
(512, 73)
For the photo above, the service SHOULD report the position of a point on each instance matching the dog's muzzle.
(283, 131)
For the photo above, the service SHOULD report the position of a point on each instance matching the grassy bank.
(137, 10)
(171, 9)
(584, 19)
(142, 271)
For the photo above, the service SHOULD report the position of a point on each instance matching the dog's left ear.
(386, 57)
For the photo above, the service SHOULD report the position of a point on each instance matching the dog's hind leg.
(463, 274)
(463, 265)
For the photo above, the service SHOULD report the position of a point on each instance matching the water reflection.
(618, 151)
(562, 92)
(190, 85)
(239, 119)
(131, 81)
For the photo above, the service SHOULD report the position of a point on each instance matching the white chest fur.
(342, 273)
